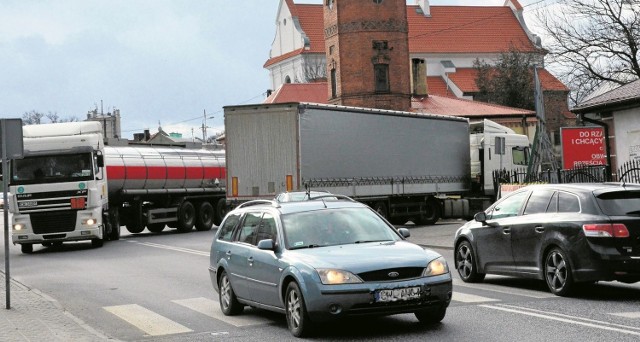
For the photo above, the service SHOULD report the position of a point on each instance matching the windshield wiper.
(366, 241)
(306, 246)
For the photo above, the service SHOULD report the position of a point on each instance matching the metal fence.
(627, 173)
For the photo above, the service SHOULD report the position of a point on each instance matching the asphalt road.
(155, 287)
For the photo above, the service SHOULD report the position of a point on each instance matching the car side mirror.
(480, 217)
(404, 232)
(266, 244)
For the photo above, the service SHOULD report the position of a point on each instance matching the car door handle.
(250, 261)
(228, 253)
(506, 231)
(539, 229)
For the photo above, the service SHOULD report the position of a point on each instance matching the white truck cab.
(58, 191)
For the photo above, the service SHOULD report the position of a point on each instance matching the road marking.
(211, 308)
(504, 289)
(147, 320)
(172, 248)
(469, 298)
(626, 314)
(566, 318)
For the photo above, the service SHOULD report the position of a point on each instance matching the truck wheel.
(155, 227)
(27, 248)
(186, 217)
(221, 211)
(432, 214)
(97, 243)
(134, 227)
(206, 213)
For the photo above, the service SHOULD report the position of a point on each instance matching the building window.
(287, 79)
(381, 73)
(334, 84)
(330, 4)
(378, 2)
(331, 48)
(556, 138)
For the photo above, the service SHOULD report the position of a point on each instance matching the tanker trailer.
(70, 187)
(152, 187)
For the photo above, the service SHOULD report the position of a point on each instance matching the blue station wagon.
(324, 259)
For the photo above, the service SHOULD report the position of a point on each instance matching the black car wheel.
(557, 272)
(297, 319)
(466, 263)
(429, 317)
(228, 302)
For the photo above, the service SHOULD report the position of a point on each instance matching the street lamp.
(204, 126)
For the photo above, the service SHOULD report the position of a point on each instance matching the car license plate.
(403, 294)
(27, 204)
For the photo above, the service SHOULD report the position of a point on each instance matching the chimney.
(147, 135)
(418, 77)
(424, 6)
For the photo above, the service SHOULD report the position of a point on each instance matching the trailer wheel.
(221, 211)
(134, 227)
(432, 214)
(204, 221)
(186, 217)
(155, 227)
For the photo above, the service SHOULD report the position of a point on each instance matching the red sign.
(583, 146)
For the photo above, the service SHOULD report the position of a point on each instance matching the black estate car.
(561, 233)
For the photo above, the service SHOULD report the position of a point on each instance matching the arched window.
(287, 79)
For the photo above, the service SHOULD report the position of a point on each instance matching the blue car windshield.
(331, 227)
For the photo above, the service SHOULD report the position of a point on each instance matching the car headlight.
(436, 267)
(335, 277)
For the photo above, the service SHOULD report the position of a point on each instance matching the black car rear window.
(617, 203)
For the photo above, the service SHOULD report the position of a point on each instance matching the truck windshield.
(52, 169)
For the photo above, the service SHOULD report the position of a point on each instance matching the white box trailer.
(397, 162)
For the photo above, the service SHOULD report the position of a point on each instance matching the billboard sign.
(583, 146)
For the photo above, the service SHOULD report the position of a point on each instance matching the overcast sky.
(157, 61)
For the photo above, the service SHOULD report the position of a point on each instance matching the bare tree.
(509, 82)
(32, 118)
(592, 42)
(314, 70)
(36, 118)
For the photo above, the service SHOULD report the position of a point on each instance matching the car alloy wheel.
(465, 263)
(228, 302)
(558, 272)
(297, 319)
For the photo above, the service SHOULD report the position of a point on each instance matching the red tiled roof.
(437, 86)
(465, 79)
(449, 29)
(433, 104)
(300, 92)
(466, 29)
(311, 20)
(283, 57)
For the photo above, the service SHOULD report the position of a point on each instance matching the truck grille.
(53, 201)
(53, 221)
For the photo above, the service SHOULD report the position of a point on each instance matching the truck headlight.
(436, 267)
(89, 222)
(18, 226)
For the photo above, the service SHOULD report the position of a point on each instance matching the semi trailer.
(407, 166)
(70, 187)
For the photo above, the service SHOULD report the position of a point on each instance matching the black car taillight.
(617, 230)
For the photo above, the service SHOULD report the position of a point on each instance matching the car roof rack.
(258, 202)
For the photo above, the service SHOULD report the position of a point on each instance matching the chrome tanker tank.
(138, 170)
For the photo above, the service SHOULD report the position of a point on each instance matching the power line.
(199, 116)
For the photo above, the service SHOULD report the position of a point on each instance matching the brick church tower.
(367, 53)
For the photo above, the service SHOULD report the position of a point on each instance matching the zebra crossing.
(154, 324)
